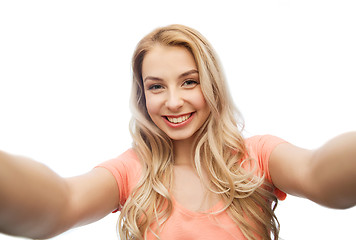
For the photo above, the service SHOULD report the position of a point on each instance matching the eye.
(190, 83)
(155, 87)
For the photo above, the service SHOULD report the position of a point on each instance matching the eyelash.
(154, 87)
(191, 81)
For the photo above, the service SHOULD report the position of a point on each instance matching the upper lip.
(177, 116)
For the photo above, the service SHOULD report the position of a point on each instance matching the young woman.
(190, 173)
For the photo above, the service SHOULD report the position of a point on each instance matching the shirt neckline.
(217, 207)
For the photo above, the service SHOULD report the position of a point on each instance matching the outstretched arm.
(326, 175)
(35, 202)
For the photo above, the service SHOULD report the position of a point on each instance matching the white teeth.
(178, 120)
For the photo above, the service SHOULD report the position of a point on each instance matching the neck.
(183, 152)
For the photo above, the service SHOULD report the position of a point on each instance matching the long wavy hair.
(219, 147)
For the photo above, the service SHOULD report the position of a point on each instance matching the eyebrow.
(190, 72)
(193, 71)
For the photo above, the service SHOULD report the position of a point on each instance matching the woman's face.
(174, 99)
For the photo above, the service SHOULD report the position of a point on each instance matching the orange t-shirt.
(183, 223)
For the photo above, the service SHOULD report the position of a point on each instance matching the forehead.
(163, 61)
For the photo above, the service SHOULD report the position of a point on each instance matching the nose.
(174, 101)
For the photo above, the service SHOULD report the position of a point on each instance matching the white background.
(65, 80)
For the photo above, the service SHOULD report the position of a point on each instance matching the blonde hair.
(219, 146)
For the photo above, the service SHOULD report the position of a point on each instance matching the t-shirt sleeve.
(261, 147)
(126, 169)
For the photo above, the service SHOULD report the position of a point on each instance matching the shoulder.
(260, 142)
(126, 168)
(127, 159)
(260, 148)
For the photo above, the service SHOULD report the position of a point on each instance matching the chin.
(181, 137)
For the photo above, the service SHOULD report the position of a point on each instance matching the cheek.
(199, 100)
(152, 105)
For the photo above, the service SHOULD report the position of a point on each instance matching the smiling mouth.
(180, 119)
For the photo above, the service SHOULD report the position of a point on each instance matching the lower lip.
(178, 125)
